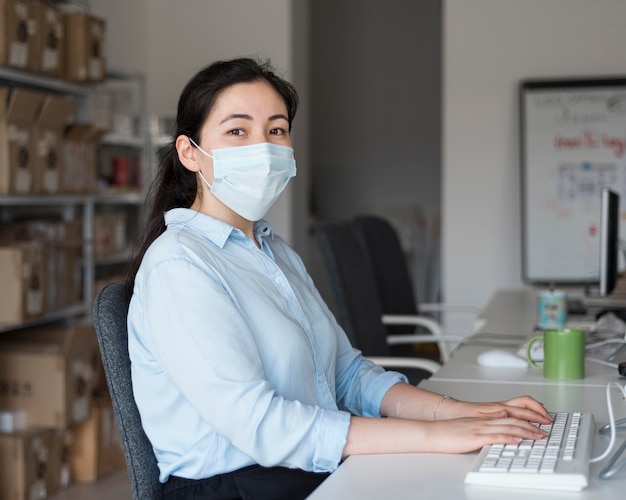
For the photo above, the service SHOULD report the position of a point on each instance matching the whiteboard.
(573, 143)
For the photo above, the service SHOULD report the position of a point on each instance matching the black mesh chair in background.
(402, 312)
(109, 316)
(356, 301)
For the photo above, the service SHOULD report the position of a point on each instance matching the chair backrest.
(382, 247)
(350, 277)
(109, 315)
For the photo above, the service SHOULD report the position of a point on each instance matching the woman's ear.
(187, 153)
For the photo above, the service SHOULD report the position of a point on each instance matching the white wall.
(170, 41)
(489, 46)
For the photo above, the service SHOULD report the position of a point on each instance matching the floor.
(115, 486)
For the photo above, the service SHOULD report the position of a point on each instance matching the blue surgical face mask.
(249, 179)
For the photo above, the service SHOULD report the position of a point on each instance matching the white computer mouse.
(499, 358)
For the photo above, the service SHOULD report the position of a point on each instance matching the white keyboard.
(558, 462)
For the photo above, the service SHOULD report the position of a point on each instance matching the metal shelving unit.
(87, 205)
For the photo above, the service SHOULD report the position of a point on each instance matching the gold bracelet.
(443, 398)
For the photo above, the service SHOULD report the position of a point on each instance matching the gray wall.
(376, 115)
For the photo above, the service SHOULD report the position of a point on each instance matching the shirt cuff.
(332, 435)
(377, 391)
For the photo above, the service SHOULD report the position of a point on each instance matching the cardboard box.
(97, 448)
(51, 50)
(58, 472)
(62, 245)
(18, 115)
(22, 295)
(50, 372)
(50, 161)
(24, 459)
(19, 38)
(81, 143)
(86, 54)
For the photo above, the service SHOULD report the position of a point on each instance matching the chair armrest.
(403, 319)
(397, 362)
(448, 307)
(422, 339)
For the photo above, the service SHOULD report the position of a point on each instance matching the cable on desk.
(612, 423)
(599, 344)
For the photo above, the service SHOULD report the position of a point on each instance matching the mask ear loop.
(205, 153)
(198, 147)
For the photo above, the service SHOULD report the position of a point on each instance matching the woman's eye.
(278, 131)
(236, 131)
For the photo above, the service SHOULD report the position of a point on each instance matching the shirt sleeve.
(360, 384)
(208, 351)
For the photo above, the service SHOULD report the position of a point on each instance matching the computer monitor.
(609, 241)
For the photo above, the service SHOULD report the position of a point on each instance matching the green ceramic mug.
(563, 353)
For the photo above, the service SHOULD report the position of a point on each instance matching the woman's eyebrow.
(234, 116)
(278, 116)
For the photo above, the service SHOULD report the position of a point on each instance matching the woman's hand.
(461, 435)
(523, 407)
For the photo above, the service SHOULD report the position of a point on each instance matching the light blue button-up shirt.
(236, 360)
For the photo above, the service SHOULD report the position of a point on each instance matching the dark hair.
(174, 186)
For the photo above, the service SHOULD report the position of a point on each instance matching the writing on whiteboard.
(591, 140)
(583, 182)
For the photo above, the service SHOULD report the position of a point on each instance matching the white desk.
(507, 322)
(441, 476)
(463, 368)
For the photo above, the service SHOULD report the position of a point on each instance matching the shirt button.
(279, 281)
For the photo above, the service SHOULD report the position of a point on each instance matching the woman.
(246, 385)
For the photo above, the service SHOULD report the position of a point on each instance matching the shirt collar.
(214, 229)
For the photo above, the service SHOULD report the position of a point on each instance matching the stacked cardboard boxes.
(40, 37)
(40, 151)
(51, 374)
(60, 244)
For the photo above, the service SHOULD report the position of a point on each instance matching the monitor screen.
(609, 241)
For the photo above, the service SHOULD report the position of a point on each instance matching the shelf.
(97, 210)
(59, 200)
(119, 258)
(42, 200)
(120, 198)
(12, 76)
(70, 312)
(114, 139)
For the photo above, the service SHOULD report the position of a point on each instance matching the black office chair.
(109, 316)
(356, 302)
(402, 312)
